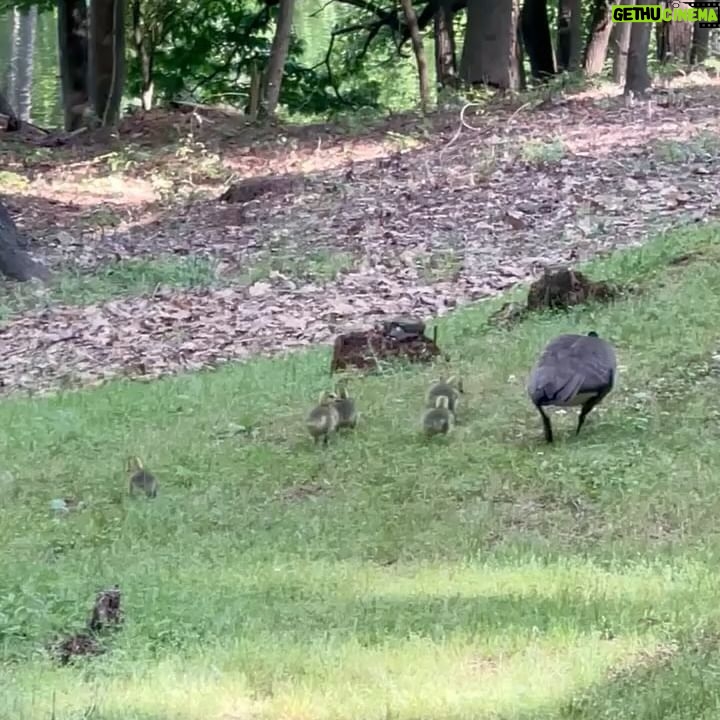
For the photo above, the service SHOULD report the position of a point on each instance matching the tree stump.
(561, 287)
(399, 338)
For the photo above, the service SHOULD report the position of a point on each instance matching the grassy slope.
(488, 576)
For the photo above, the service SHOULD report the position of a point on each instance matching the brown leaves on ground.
(428, 229)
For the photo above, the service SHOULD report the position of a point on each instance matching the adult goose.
(572, 370)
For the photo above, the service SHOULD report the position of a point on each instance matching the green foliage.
(208, 50)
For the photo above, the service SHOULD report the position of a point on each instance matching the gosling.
(438, 420)
(323, 418)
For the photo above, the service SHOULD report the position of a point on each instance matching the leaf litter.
(428, 230)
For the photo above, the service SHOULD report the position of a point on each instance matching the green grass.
(488, 576)
(120, 279)
(127, 278)
(319, 265)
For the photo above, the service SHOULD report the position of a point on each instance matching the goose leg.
(587, 407)
(547, 427)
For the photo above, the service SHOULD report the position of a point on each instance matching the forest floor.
(487, 575)
(154, 274)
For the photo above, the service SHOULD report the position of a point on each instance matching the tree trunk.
(569, 35)
(490, 53)
(278, 56)
(597, 45)
(619, 43)
(536, 38)
(700, 44)
(22, 102)
(674, 39)
(73, 51)
(576, 27)
(419, 50)
(13, 121)
(106, 59)
(145, 52)
(638, 78)
(15, 262)
(445, 54)
(11, 84)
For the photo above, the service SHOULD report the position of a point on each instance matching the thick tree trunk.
(674, 39)
(419, 50)
(638, 78)
(619, 43)
(536, 38)
(597, 45)
(13, 121)
(569, 35)
(106, 59)
(700, 44)
(278, 56)
(15, 262)
(73, 51)
(491, 51)
(445, 54)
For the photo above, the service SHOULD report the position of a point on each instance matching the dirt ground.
(406, 215)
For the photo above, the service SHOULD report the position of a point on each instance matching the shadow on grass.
(287, 614)
(679, 682)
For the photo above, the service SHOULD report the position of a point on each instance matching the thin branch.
(319, 10)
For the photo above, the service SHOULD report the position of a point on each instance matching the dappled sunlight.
(342, 680)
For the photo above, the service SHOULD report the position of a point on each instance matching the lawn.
(385, 577)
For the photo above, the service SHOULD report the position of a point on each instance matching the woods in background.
(250, 55)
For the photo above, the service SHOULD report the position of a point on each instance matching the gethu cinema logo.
(704, 13)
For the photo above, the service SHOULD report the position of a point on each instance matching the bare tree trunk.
(5, 48)
(576, 25)
(445, 53)
(278, 56)
(490, 53)
(145, 52)
(15, 262)
(700, 44)
(674, 39)
(106, 59)
(619, 43)
(569, 35)
(638, 78)
(536, 38)
(22, 102)
(419, 50)
(11, 87)
(73, 51)
(597, 45)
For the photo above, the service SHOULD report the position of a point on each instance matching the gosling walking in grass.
(141, 479)
(438, 420)
(572, 370)
(450, 388)
(323, 418)
(345, 406)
